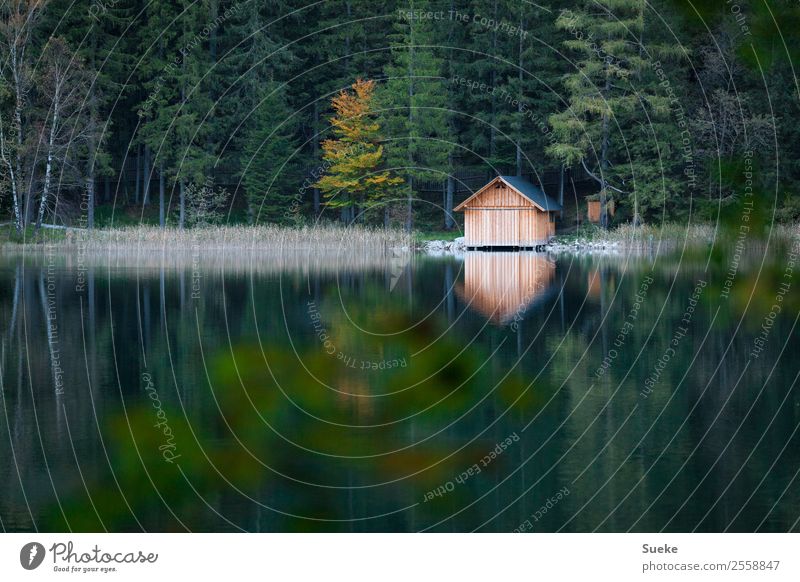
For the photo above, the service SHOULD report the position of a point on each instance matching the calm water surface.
(488, 392)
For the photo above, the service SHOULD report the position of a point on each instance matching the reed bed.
(227, 249)
(671, 234)
(668, 236)
(257, 238)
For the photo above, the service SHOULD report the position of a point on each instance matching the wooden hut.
(593, 210)
(509, 212)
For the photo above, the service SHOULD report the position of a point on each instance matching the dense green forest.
(186, 112)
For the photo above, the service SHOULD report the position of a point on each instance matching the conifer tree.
(355, 177)
(179, 100)
(155, 79)
(414, 101)
(534, 84)
(252, 54)
(492, 64)
(269, 160)
(611, 94)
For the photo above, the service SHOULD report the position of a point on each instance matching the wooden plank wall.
(503, 197)
(501, 217)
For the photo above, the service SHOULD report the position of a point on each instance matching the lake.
(489, 392)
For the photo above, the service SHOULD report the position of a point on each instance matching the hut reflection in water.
(502, 286)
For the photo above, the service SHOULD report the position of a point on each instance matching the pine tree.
(252, 53)
(612, 96)
(179, 102)
(355, 177)
(157, 92)
(414, 102)
(336, 42)
(491, 64)
(269, 160)
(534, 84)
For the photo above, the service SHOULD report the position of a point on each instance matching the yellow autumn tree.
(354, 155)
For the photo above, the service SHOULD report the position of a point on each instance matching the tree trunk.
(315, 142)
(182, 213)
(24, 194)
(48, 172)
(12, 179)
(561, 179)
(146, 176)
(348, 14)
(410, 205)
(213, 10)
(492, 130)
(28, 210)
(90, 179)
(449, 223)
(161, 188)
(138, 169)
(604, 160)
(90, 201)
(520, 109)
(90, 174)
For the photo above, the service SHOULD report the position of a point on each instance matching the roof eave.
(539, 206)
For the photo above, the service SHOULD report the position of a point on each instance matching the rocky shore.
(583, 245)
(445, 247)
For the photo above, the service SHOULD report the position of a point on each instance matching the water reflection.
(503, 286)
(273, 427)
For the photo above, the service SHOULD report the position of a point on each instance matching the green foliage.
(413, 100)
(619, 122)
(269, 159)
(652, 98)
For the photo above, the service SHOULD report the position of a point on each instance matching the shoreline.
(372, 241)
(626, 238)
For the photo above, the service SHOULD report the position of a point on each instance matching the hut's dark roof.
(532, 193)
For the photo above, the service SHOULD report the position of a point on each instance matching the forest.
(183, 113)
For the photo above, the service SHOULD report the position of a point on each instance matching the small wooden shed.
(593, 210)
(509, 212)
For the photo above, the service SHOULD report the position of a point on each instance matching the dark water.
(492, 392)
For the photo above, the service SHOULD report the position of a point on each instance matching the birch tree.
(18, 19)
(65, 129)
